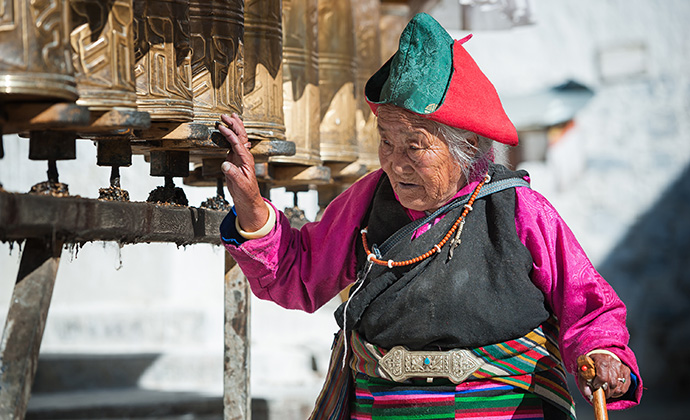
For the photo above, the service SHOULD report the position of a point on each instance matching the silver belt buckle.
(401, 364)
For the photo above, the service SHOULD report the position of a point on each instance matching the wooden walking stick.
(585, 366)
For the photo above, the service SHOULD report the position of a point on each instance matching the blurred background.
(600, 93)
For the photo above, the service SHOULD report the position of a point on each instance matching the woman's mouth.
(407, 185)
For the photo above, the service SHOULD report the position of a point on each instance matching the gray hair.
(473, 160)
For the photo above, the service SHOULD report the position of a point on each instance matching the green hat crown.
(425, 54)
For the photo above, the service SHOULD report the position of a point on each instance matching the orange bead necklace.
(457, 226)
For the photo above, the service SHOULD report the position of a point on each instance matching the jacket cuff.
(228, 231)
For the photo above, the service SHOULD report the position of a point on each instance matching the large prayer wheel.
(263, 71)
(217, 33)
(368, 62)
(337, 81)
(35, 56)
(162, 52)
(394, 18)
(102, 42)
(301, 81)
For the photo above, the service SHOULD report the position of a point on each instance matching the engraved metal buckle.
(401, 364)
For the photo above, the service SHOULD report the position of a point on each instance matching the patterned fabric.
(516, 377)
(425, 52)
(377, 399)
(532, 363)
(333, 402)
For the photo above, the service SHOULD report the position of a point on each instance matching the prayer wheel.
(301, 81)
(102, 43)
(35, 60)
(263, 71)
(337, 81)
(368, 62)
(394, 18)
(217, 33)
(163, 68)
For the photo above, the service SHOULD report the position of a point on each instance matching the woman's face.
(418, 163)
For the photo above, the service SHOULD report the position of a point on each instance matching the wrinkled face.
(421, 169)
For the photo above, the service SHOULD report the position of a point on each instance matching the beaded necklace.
(457, 226)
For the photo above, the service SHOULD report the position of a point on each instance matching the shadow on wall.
(70, 372)
(650, 270)
(105, 386)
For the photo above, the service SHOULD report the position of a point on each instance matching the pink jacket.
(304, 269)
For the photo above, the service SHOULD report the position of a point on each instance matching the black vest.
(483, 295)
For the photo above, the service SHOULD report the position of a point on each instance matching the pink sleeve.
(304, 269)
(589, 311)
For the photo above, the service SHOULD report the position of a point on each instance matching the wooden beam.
(236, 395)
(26, 320)
(76, 219)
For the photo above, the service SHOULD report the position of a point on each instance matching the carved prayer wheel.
(368, 62)
(337, 80)
(102, 42)
(263, 71)
(217, 33)
(163, 69)
(301, 81)
(394, 18)
(35, 57)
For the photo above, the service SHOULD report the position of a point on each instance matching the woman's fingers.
(239, 148)
(239, 163)
(585, 389)
(235, 124)
(611, 375)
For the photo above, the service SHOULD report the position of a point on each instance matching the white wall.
(630, 136)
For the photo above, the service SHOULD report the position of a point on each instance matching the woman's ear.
(473, 139)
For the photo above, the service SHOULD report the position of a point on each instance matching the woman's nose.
(400, 162)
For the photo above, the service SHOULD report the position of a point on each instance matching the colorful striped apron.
(516, 378)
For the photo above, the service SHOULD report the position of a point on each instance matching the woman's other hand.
(240, 177)
(611, 375)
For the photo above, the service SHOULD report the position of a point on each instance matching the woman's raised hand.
(240, 177)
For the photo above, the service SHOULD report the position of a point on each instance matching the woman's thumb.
(226, 167)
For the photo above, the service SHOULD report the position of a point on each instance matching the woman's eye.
(415, 151)
(385, 145)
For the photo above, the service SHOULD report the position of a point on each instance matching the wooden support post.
(236, 399)
(26, 319)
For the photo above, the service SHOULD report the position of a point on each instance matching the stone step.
(139, 404)
(124, 403)
(182, 370)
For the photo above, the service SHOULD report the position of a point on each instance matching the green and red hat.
(434, 76)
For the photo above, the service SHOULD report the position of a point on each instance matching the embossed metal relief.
(103, 53)
(301, 81)
(35, 57)
(401, 364)
(368, 49)
(162, 52)
(337, 81)
(263, 77)
(217, 33)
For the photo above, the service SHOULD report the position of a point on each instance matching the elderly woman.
(470, 294)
